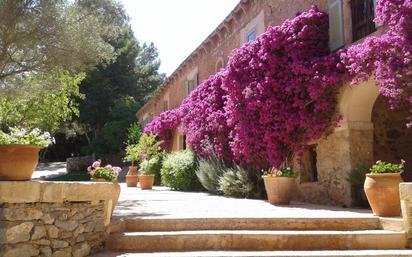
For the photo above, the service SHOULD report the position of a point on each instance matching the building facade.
(368, 132)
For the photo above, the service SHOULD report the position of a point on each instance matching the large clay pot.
(279, 189)
(132, 177)
(382, 191)
(18, 162)
(146, 181)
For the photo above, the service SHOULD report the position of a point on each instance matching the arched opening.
(392, 140)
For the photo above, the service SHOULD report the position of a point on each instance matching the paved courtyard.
(162, 202)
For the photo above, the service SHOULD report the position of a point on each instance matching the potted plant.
(107, 173)
(279, 184)
(382, 188)
(19, 152)
(149, 168)
(147, 150)
(132, 155)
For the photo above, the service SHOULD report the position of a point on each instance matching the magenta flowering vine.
(282, 90)
(389, 56)
(279, 91)
(163, 126)
(205, 121)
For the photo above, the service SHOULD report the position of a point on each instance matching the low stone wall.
(56, 219)
(79, 163)
(405, 190)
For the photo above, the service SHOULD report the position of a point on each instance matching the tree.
(46, 110)
(38, 36)
(133, 74)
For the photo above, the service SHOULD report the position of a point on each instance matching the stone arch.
(219, 64)
(355, 103)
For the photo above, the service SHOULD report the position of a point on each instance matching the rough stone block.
(81, 250)
(38, 233)
(19, 233)
(57, 244)
(21, 250)
(67, 225)
(66, 252)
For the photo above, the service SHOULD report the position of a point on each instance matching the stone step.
(131, 225)
(328, 253)
(255, 240)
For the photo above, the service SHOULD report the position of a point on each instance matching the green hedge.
(178, 171)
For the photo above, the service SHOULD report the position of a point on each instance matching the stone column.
(349, 146)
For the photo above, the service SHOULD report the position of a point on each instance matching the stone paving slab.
(357, 253)
(161, 203)
(49, 170)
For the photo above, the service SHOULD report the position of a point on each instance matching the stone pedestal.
(53, 218)
(405, 190)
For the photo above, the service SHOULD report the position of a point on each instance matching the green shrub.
(152, 166)
(178, 171)
(237, 182)
(209, 172)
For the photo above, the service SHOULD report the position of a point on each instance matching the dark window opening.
(363, 13)
(309, 169)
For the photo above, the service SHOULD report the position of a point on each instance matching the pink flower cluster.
(97, 164)
(389, 56)
(163, 125)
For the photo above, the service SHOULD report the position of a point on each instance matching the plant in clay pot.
(107, 173)
(279, 184)
(19, 152)
(382, 188)
(146, 148)
(147, 177)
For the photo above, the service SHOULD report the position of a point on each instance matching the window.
(182, 142)
(336, 36)
(191, 84)
(309, 169)
(165, 105)
(363, 12)
(251, 36)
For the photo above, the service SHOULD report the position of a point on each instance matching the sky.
(176, 27)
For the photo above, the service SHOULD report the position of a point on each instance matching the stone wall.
(392, 139)
(56, 219)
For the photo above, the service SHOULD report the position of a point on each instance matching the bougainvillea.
(205, 121)
(281, 90)
(163, 126)
(389, 56)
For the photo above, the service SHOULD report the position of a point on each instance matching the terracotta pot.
(382, 191)
(146, 181)
(279, 189)
(18, 162)
(132, 177)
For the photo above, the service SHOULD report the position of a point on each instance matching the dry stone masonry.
(50, 222)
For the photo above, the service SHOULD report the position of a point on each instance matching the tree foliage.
(39, 36)
(132, 76)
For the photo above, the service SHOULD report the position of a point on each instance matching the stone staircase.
(361, 236)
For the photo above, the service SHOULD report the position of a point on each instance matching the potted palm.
(19, 152)
(382, 188)
(279, 184)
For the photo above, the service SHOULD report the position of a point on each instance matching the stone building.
(368, 130)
